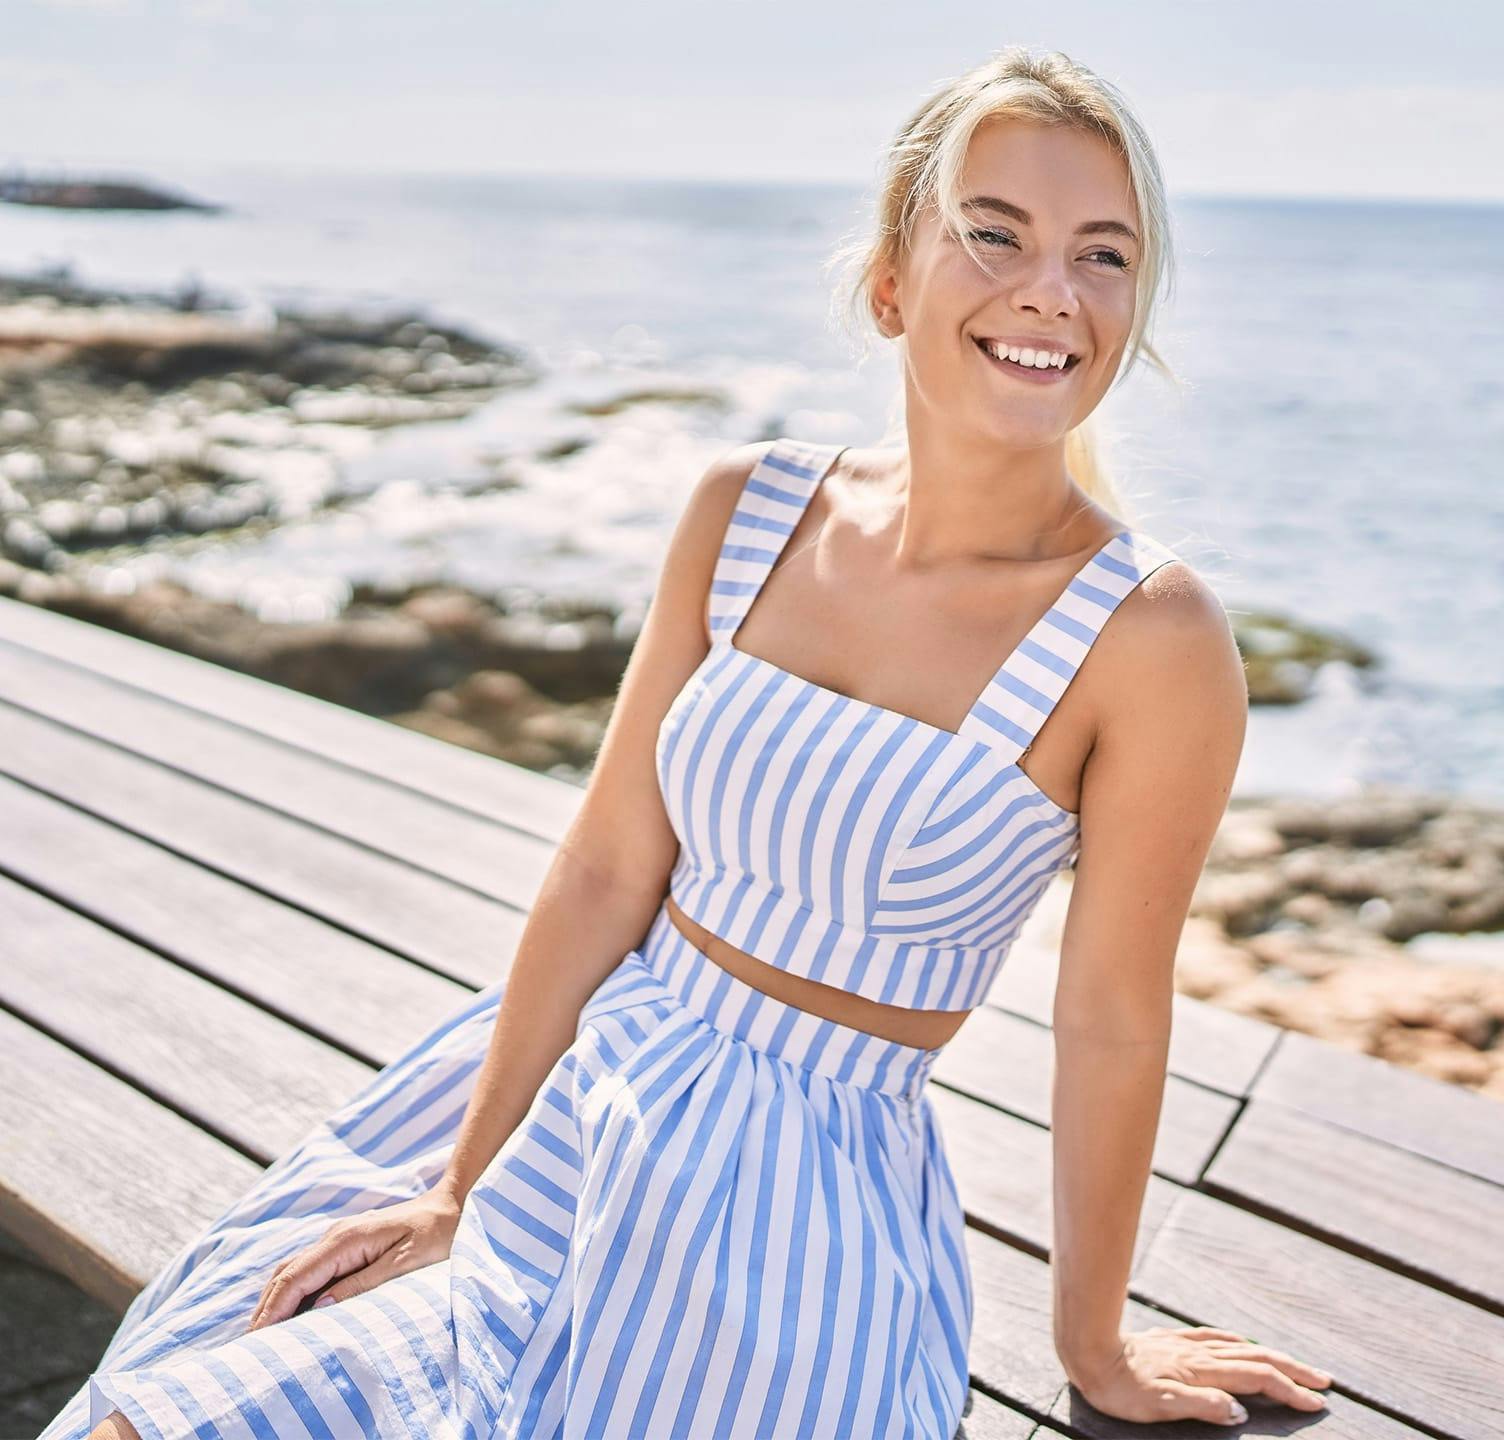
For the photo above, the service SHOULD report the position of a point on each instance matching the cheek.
(1117, 304)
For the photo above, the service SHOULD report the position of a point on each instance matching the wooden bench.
(223, 904)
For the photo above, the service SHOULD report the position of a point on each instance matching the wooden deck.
(223, 903)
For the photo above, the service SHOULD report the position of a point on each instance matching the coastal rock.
(500, 714)
(66, 193)
(126, 420)
(1244, 900)
(1323, 926)
(1281, 655)
(533, 688)
(1369, 820)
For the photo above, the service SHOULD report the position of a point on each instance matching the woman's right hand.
(1195, 1372)
(358, 1252)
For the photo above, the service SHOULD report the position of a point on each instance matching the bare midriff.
(927, 1029)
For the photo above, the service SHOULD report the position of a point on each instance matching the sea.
(1330, 450)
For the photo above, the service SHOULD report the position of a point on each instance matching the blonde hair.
(923, 167)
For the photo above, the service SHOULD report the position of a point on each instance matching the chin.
(1021, 432)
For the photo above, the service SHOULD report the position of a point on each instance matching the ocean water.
(1333, 453)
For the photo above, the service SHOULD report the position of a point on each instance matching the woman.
(697, 1188)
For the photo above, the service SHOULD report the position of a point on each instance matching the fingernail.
(1237, 1415)
(323, 1300)
(1323, 1378)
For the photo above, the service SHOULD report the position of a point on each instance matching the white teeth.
(1034, 359)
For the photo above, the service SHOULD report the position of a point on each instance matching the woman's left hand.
(1195, 1373)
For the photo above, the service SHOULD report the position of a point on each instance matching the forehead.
(1058, 173)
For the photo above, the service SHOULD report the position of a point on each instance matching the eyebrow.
(1016, 212)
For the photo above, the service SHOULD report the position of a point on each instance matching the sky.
(1328, 98)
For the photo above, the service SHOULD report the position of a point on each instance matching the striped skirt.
(721, 1217)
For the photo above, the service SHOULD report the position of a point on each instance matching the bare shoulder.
(682, 600)
(1170, 648)
(720, 487)
(713, 500)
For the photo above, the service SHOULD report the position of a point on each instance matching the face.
(1053, 271)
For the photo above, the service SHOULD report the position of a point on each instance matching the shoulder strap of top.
(1018, 700)
(775, 495)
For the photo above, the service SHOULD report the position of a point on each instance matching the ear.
(885, 309)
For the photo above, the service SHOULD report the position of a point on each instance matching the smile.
(1032, 374)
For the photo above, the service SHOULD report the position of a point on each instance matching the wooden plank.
(1012, 1354)
(1445, 1123)
(1347, 1314)
(491, 858)
(445, 927)
(1002, 1169)
(1437, 1223)
(987, 1419)
(84, 1178)
(1388, 1339)
(244, 1075)
(512, 794)
(358, 996)
(1209, 1046)
(1007, 1061)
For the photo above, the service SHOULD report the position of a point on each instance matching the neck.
(968, 502)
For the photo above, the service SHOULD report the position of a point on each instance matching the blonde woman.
(681, 1177)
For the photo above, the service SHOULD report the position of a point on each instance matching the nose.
(1044, 287)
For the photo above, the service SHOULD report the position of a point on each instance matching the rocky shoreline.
(98, 193)
(1376, 922)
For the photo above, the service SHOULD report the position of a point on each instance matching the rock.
(1435, 1053)
(674, 395)
(501, 693)
(1281, 656)
(1311, 910)
(1415, 913)
(1302, 955)
(1246, 835)
(1484, 911)
(1370, 820)
(1206, 965)
(1244, 900)
(1322, 920)
(446, 610)
(109, 399)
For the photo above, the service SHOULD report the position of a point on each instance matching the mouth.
(1046, 374)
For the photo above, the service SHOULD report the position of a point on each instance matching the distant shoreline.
(71, 193)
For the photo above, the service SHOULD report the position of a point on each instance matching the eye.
(1115, 258)
(1005, 235)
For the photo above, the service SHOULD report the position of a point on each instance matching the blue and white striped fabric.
(722, 1218)
(849, 843)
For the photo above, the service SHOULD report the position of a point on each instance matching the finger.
(1209, 1332)
(1199, 1402)
(361, 1281)
(332, 1233)
(266, 1289)
(311, 1270)
(1256, 1377)
(1298, 1369)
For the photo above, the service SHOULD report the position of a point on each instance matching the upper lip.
(1030, 342)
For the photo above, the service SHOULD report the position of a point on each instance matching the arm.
(597, 900)
(610, 872)
(1154, 790)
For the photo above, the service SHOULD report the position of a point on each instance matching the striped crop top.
(853, 844)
